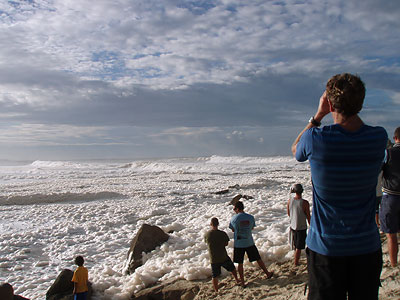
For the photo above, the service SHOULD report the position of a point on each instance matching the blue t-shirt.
(242, 224)
(344, 171)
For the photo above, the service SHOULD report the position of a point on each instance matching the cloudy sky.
(161, 78)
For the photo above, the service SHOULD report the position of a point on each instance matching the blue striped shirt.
(344, 171)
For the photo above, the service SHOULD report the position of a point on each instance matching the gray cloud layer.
(156, 78)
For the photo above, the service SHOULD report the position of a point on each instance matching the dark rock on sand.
(236, 186)
(169, 290)
(222, 192)
(7, 293)
(236, 199)
(62, 287)
(147, 239)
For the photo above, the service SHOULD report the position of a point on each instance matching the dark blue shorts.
(80, 296)
(216, 268)
(252, 254)
(389, 213)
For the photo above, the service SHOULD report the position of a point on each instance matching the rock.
(146, 240)
(222, 192)
(6, 292)
(236, 199)
(236, 186)
(170, 290)
(63, 287)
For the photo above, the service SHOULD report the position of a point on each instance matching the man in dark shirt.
(216, 241)
(390, 206)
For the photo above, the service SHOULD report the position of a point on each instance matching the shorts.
(216, 267)
(252, 254)
(80, 296)
(378, 204)
(389, 214)
(299, 238)
(344, 277)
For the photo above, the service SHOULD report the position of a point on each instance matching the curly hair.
(397, 132)
(79, 261)
(346, 92)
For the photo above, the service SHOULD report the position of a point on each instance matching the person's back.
(391, 171)
(344, 254)
(390, 206)
(344, 167)
(243, 224)
(298, 218)
(216, 241)
(80, 280)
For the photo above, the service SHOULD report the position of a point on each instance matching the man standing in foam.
(344, 252)
(298, 211)
(242, 224)
(390, 206)
(216, 241)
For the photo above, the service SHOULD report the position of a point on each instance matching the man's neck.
(352, 123)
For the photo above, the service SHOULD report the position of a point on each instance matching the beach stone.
(222, 192)
(6, 291)
(236, 199)
(62, 288)
(169, 290)
(146, 240)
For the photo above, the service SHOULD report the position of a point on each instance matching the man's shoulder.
(245, 216)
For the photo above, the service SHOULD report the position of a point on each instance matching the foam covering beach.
(52, 211)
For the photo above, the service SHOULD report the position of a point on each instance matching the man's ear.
(331, 108)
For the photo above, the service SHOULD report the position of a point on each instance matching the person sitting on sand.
(216, 241)
(242, 224)
(80, 280)
(298, 210)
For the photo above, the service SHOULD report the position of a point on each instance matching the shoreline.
(289, 282)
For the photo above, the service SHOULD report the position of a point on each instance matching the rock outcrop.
(62, 287)
(169, 290)
(147, 239)
(7, 293)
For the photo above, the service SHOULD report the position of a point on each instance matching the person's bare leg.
(234, 274)
(264, 268)
(393, 248)
(297, 254)
(215, 283)
(241, 274)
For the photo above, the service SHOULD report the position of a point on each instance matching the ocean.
(52, 211)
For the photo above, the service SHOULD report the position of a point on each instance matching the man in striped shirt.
(344, 253)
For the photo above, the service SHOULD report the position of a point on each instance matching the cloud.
(188, 70)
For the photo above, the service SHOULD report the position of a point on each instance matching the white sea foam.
(53, 211)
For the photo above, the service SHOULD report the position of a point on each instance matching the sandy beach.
(289, 282)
